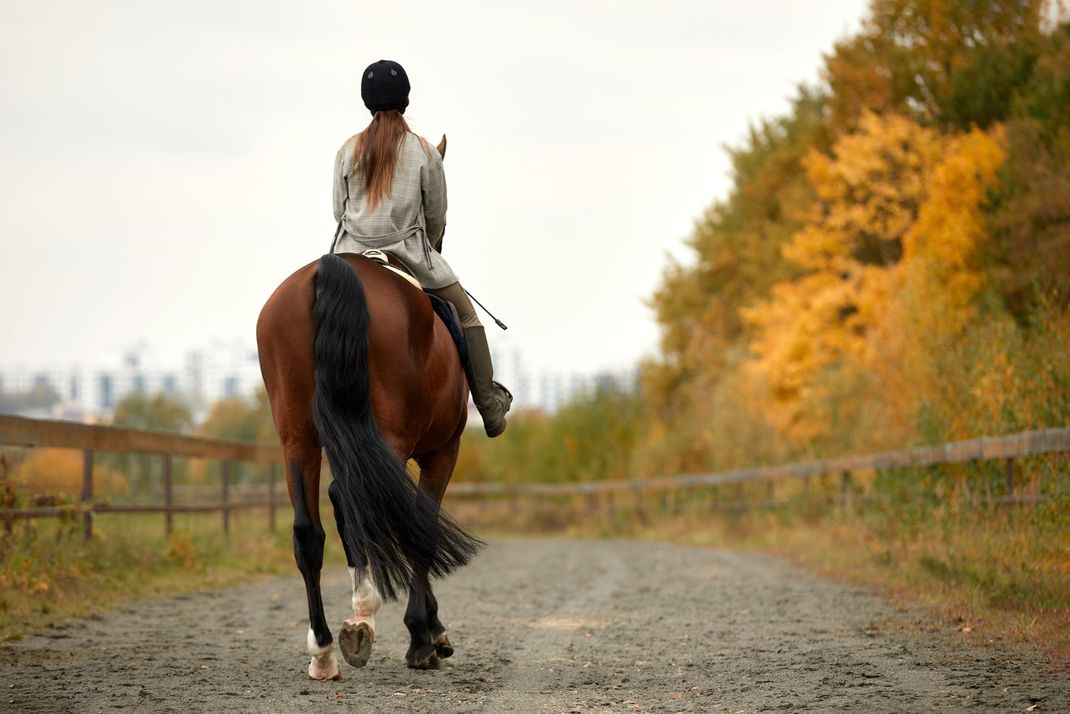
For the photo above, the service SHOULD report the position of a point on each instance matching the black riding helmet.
(385, 86)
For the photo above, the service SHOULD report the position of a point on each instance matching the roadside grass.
(49, 573)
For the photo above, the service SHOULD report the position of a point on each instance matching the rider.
(390, 195)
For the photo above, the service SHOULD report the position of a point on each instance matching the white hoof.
(324, 667)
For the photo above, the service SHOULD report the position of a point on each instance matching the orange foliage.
(891, 252)
(60, 471)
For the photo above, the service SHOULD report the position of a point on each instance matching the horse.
(356, 364)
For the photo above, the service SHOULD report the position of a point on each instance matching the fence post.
(1009, 471)
(87, 493)
(769, 489)
(226, 500)
(271, 496)
(168, 495)
(845, 479)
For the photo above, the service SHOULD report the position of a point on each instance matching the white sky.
(166, 164)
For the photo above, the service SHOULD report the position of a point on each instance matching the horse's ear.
(442, 147)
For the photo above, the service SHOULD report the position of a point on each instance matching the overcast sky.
(166, 164)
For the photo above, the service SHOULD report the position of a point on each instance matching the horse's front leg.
(308, 539)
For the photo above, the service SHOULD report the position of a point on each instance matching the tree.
(1030, 216)
(159, 412)
(240, 419)
(937, 61)
(737, 255)
(869, 192)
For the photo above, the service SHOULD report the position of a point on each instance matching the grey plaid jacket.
(409, 222)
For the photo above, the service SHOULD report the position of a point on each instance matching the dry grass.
(48, 573)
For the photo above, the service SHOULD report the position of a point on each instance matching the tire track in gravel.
(539, 626)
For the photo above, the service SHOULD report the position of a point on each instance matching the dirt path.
(539, 625)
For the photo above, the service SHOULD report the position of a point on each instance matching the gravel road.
(539, 625)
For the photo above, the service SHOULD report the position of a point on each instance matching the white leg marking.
(366, 600)
(324, 664)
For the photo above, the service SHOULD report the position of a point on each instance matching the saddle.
(443, 308)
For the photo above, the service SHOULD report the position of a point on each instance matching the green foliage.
(983, 90)
(589, 439)
(939, 61)
(1030, 219)
(159, 412)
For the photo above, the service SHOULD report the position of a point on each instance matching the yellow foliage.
(936, 283)
(950, 225)
(890, 250)
(869, 192)
(181, 550)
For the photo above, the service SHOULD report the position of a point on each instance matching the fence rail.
(1009, 448)
(90, 439)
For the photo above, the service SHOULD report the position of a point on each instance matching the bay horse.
(356, 363)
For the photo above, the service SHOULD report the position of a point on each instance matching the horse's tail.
(396, 526)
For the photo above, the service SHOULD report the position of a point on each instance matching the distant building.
(220, 369)
(232, 369)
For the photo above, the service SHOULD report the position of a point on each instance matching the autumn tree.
(736, 247)
(1030, 216)
(937, 61)
(869, 191)
(158, 412)
(239, 419)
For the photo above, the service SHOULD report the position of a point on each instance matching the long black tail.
(394, 524)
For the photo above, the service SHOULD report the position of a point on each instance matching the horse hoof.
(442, 645)
(355, 641)
(324, 669)
(425, 658)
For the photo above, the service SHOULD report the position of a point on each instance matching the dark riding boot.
(492, 399)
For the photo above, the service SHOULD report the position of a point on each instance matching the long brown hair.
(376, 153)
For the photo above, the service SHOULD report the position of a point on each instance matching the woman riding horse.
(390, 195)
(356, 364)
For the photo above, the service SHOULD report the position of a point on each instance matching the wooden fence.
(91, 439)
(1006, 448)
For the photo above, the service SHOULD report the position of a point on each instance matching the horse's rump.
(382, 389)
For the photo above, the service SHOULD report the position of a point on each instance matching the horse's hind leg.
(357, 635)
(308, 537)
(427, 633)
